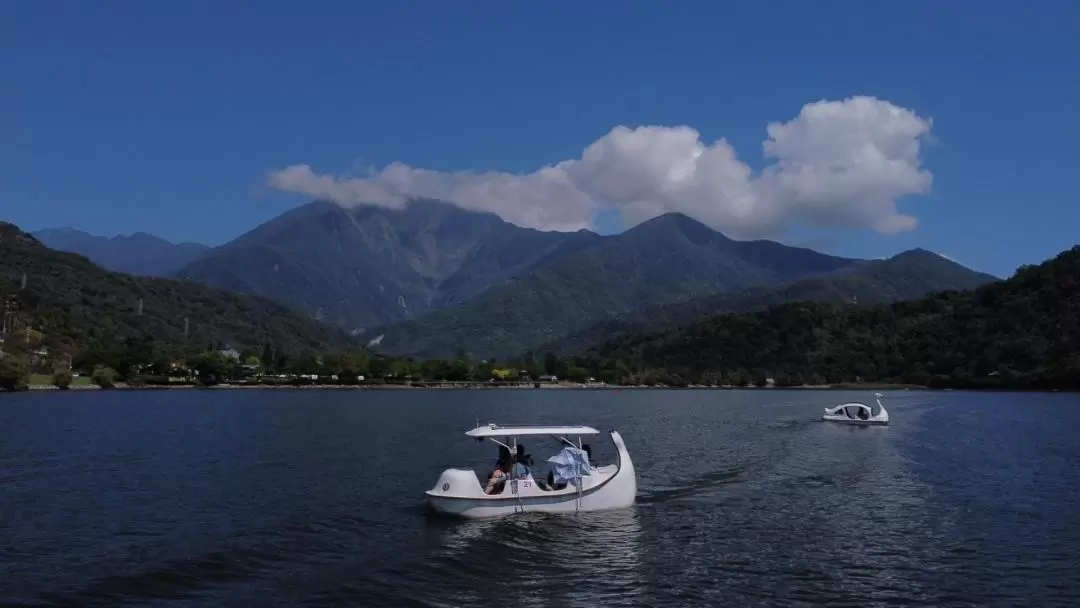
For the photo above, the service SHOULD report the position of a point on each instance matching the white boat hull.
(458, 492)
(846, 420)
(847, 413)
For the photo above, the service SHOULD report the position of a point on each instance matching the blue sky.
(169, 118)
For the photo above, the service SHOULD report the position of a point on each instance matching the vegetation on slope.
(663, 260)
(906, 276)
(366, 266)
(75, 304)
(1020, 333)
(1023, 332)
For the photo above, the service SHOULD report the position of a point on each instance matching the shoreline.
(463, 386)
(483, 386)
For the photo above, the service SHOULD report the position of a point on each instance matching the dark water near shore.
(312, 498)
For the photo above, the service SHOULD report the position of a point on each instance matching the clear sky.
(198, 120)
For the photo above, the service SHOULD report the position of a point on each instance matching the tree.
(534, 369)
(551, 364)
(333, 364)
(14, 373)
(62, 379)
(213, 368)
(303, 365)
(103, 376)
(268, 356)
(577, 374)
(401, 368)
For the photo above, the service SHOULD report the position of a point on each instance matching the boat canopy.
(858, 405)
(495, 430)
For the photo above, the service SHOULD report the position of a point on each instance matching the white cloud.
(840, 164)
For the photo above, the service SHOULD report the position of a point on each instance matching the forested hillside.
(361, 267)
(663, 260)
(906, 276)
(76, 303)
(1022, 332)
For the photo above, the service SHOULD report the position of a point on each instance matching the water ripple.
(745, 498)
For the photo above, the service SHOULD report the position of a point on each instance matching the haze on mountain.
(663, 261)
(139, 254)
(431, 278)
(366, 266)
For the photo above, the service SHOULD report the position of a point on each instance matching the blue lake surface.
(315, 498)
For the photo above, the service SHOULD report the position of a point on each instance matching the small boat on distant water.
(578, 486)
(857, 413)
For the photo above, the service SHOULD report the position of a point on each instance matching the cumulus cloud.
(838, 164)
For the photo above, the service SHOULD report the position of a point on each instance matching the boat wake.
(698, 485)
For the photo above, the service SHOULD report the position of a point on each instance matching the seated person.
(551, 485)
(497, 482)
(522, 464)
(504, 456)
(551, 481)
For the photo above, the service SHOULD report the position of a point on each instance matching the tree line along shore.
(1020, 333)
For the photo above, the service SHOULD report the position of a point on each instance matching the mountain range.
(535, 316)
(139, 254)
(431, 279)
(1019, 333)
(74, 302)
(367, 266)
(905, 276)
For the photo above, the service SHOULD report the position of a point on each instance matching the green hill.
(75, 303)
(1022, 332)
(666, 259)
(662, 273)
(905, 276)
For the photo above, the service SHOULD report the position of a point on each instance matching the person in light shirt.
(498, 478)
(551, 485)
(522, 463)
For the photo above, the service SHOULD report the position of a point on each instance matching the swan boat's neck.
(858, 413)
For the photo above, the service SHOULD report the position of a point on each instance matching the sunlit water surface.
(314, 498)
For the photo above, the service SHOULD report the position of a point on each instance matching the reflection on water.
(309, 498)
(588, 559)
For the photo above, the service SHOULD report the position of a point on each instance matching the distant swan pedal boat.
(460, 492)
(858, 413)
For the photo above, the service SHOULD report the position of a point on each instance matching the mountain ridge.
(139, 253)
(910, 274)
(368, 265)
(1021, 332)
(77, 303)
(659, 261)
(430, 278)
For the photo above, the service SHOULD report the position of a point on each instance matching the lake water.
(314, 498)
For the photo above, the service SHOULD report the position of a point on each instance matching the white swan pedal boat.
(460, 492)
(858, 413)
